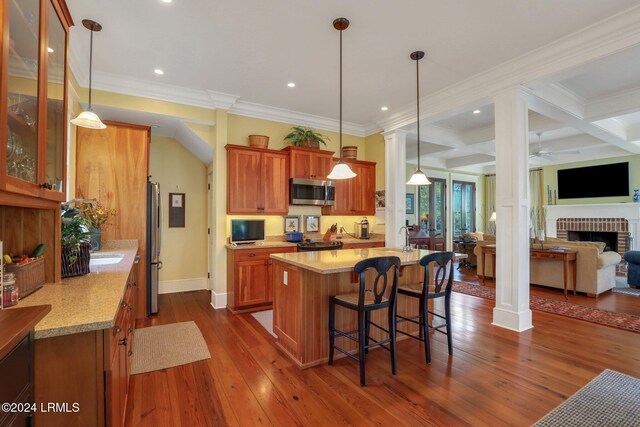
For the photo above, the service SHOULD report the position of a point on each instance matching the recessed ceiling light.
(291, 84)
(158, 71)
(476, 111)
(49, 50)
(166, 1)
(384, 108)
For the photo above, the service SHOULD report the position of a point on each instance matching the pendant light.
(341, 170)
(418, 177)
(89, 119)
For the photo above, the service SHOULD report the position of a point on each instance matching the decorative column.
(512, 212)
(395, 186)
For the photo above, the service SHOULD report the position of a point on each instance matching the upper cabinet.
(257, 181)
(309, 163)
(33, 97)
(355, 196)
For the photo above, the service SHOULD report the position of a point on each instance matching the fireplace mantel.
(628, 211)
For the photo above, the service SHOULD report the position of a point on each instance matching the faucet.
(407, 246)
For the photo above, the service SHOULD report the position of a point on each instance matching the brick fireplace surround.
(621, 218)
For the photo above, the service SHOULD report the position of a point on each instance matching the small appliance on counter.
(309, 246)
(362, 229)
(293, 237)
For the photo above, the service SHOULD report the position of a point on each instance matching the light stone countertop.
(85, 303)
(338, 261)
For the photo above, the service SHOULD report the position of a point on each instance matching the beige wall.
(184, 250)
(374, 152)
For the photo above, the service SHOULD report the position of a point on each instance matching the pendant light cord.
(341, 96)
(418, 107)
(90, 67)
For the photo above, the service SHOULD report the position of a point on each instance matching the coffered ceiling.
(241, 54)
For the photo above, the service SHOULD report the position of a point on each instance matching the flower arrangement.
(95, 212)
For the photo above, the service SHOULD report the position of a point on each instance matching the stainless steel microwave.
(312, 192)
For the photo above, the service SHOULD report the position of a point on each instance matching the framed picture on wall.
(410, 203)
(311, 223)
(291, 224)
(177, 209)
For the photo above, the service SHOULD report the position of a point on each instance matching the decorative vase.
(636, 196)
(95, 238)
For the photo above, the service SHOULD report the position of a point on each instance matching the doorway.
(463, 201)
(432, 212)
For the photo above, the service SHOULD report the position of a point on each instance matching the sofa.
(596, 270)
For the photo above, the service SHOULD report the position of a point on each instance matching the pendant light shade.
(89, 119)
(341, 170)
(418, 177)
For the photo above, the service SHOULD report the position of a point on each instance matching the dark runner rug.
(628, 322)
(610, 399)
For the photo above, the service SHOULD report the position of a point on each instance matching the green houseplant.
(75, 241)
(305, 137)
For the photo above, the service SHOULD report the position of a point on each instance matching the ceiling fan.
(548, 154)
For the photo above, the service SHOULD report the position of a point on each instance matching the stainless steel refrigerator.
(154, 242)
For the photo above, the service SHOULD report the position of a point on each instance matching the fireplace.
(609, 238)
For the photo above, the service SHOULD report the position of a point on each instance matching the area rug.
(627, 322)
(627, 291)
(166, 346)
(265, 318)
(610, 399)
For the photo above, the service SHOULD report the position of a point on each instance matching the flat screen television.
(609, 180)
(247, 230)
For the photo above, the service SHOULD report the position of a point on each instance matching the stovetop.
(319, 246)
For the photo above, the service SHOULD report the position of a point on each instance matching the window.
(463, 198)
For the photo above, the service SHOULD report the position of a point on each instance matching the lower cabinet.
(90, 369)
(249, 278)
(366, 245)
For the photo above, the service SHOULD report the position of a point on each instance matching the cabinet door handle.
(268, 262)
(252, 254)
(130, 352)
(117, 330)
(122, 341)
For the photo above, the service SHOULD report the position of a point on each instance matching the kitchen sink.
(105, 259)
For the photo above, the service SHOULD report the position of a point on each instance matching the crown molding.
(213, 100)
(223, 100)
(606, 37)
(265, 112)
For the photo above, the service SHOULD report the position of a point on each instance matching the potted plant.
(96, 215)
(75, 242)
(305, 137)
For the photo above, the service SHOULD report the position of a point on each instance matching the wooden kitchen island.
(302, 284)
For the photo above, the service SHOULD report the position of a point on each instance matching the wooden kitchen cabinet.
(249, 278)
(257, 181)
(309, 163)
(113, 167)
(91, 368)
(355, 196)
(34, 38)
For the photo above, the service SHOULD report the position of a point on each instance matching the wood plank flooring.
(496, 377)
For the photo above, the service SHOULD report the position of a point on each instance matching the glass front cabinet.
(33, 97)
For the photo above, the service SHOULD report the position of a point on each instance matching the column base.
(515, 321)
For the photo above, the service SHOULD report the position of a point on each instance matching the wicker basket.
(29, 276)
(261, 141)
(81, 266)
(350, 152)
(309, 143)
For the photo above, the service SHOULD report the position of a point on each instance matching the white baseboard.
(182, 285)
(218, 300)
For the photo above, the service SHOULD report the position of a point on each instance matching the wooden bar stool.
(441, 287)
(364, 302)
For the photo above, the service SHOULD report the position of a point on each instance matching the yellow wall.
(184, 250)
(550, 178)
(240, 127)
(374, 152)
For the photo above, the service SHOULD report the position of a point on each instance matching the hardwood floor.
(495, 377)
